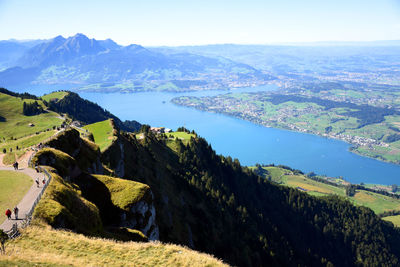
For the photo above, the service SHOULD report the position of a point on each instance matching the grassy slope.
(17, 125)
(54, 95)
(27, 141)
(60, 248)
(183, 136)
(9, 158)
(394, 219)
(13, 186)
(63, 204)
(377, 202)
(123, 192)
(102, 132)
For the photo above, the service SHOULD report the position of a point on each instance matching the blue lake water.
(246, 141)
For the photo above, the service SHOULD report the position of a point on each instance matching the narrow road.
(27, 201)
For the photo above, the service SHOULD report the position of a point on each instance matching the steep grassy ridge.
(42, 246)
(102, 132)
(124, 193)
(62, 205)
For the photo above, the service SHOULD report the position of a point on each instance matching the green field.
(377, 202)
(27, 141)
(102, 132)
(54, 95)
(13, 186)
(17, 125)
(183, 136)
(394, 219)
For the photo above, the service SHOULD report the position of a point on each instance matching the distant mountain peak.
(58, 38)
(81, 44)
(109, 44)
(133, 47)
(61, 50)
(79, 35)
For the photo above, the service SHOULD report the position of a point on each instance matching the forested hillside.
(88, 112)
(213, 204)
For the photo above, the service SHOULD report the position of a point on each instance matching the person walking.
(16, 212)
(16, 165)
(37, 182)
(44, 181)
(8, 213)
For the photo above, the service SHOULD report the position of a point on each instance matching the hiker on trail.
(36, 168)
(16, 165)
(37, 182)
(16, 212)
(8, 213)
(44, 181)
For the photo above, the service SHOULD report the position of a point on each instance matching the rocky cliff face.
(142, 216)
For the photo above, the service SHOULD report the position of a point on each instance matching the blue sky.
(187, 22)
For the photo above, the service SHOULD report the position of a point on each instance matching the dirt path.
(23, 160)
(27, 201)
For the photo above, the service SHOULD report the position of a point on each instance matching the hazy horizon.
(314, 43)
(182, 23)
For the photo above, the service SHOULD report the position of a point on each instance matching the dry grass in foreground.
(43, 246)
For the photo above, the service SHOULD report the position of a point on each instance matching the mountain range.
(83, 61)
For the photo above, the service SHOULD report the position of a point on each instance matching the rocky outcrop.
(86, 153)
(120, 169)
(142, 216)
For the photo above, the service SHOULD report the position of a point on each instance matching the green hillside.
(102, 132)
(16, 125)
(88, 112)
(55, 96)
(379, 203)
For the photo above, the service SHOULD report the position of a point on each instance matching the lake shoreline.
(249, 142)
(350, 149)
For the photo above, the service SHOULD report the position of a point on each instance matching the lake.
(248, 142)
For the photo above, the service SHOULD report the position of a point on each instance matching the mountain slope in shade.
(12, 50)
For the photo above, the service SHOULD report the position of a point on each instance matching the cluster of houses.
(160, 130)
